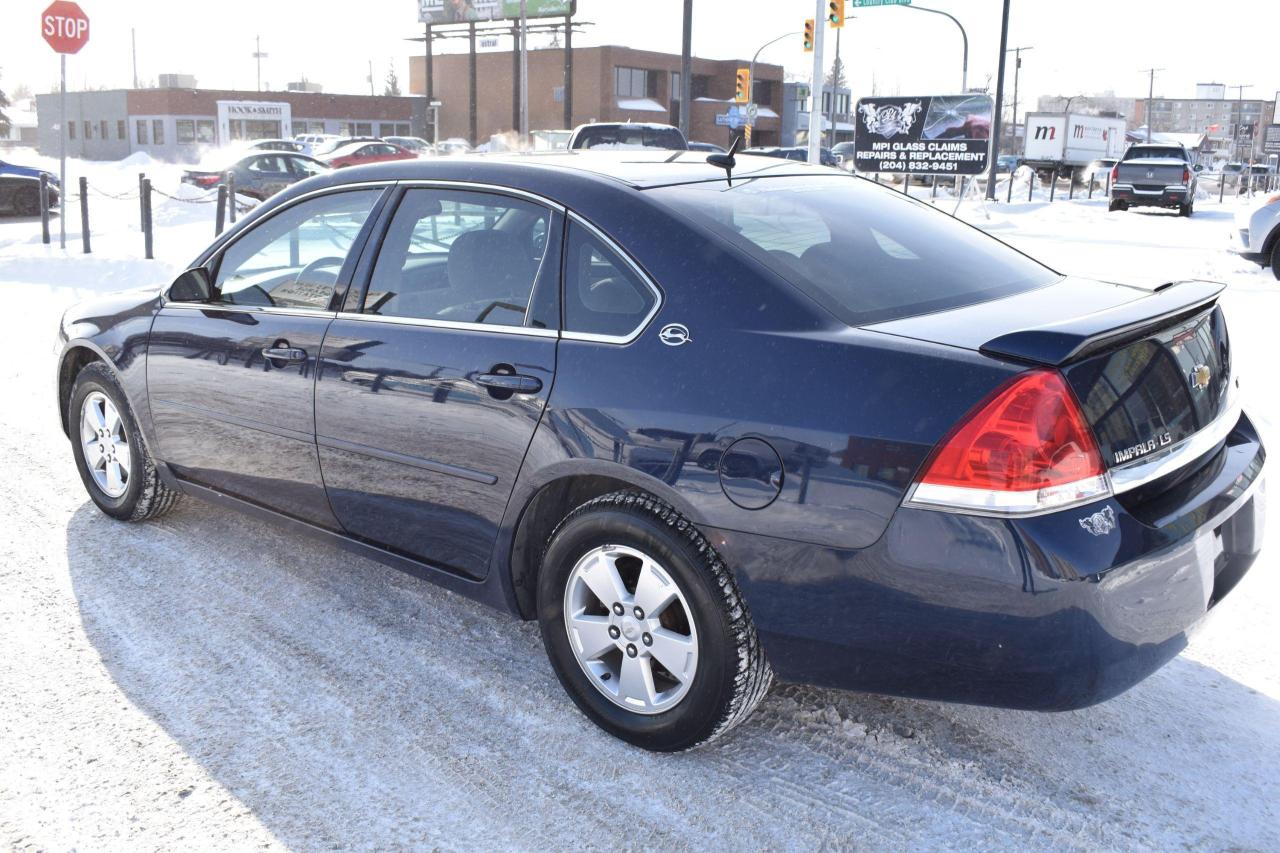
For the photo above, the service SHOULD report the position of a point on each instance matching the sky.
(1080, 47)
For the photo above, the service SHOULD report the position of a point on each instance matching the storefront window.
(71, 130)
(121, 132)
(205, 131)
(141, 129)
(88, 130)
(185, 131)
(157, 131)
(103, 129)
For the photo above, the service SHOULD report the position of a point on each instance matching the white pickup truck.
(1154, 175)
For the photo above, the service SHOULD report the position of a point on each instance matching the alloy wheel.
(105, 443)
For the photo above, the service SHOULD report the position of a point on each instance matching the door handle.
(510, 383)
(286, 354)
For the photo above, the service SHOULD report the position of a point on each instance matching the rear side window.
(603, 294)
(866, 253)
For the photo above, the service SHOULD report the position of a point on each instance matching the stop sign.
(64, 26)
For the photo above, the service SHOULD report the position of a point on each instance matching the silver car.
(1258, 230)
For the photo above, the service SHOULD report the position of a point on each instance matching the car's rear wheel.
(1117, 205)
(645, 626)
(1275, 258)
(1186, 209)
(110, 455)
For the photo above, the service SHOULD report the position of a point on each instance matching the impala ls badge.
(1101, 522)
(674, 334)
(1200, 376)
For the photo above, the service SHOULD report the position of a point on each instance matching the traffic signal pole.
(815, 90)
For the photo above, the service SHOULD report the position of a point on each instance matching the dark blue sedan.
(704, 432)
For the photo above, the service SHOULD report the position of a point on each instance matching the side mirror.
(1198, 167)
(192, 286)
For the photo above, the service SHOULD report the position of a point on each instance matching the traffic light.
(808, 35)
(742, 89)
(835, 13)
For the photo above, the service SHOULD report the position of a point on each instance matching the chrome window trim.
(658, 300)
(448, 324)
(1145, 469)
(440, 183)
(256, 309)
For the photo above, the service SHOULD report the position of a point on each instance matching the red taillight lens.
(1186, 176)
(1115, 173)
(207, 180)
(1026, 448)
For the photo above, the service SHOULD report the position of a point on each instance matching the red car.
(359, 153)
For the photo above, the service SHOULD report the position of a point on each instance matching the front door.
(431, 386)
(231, 381)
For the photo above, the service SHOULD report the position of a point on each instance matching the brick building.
(610, 83)
(177, 124)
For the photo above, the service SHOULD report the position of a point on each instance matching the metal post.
(996, 129)
(1093, 178)
(142, 177)
(1108, 183)
(515, 78)
(62, 158)
(1008, 196)
(568, 71)
(1071, 187)
(906, 183)
(84, 213)
(146, 217)
(471, 39)
(933, 190)
(686, 67)
(220, 217)
(524, 74)
(231, 196)
(1031, 184)
(815, 90)
(1053, 184)
(429, 81)
(44, 208)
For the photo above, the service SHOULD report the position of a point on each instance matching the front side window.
(272, 164)
(465, 257)
(293, 259)
(865, 253)
(603, 294)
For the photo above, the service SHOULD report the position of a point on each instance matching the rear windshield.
(866, 253)
(1136, 153)
(633, 136)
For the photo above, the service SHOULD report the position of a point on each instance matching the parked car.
(708, 147)
(289, 145)
(958, 474)
(453, 145)
(260, 175)
(311, 142)
(337, 142)
(1259, 233)
(799, 153)
(628, 135)
(20, 194)
(362, 153)
(416, 144)
(844, 152)
(1155, 175)
(1007, 164)
(1100, 168)
(7, 168)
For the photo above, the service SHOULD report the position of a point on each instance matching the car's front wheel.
(1275, 258)
(645, 626)
(112, 459)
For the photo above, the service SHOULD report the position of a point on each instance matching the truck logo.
(890, 121)
(1101, 522)
(1046, 131)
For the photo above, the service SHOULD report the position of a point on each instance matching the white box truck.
(1067, 143)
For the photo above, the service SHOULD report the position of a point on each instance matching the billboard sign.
(462, 11)
(1271, 139)
(937, 134)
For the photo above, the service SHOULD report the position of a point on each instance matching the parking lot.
(209, 680)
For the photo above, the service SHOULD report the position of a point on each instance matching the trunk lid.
(1150, 368)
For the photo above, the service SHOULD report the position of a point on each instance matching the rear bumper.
(1036, 613)
(1166, 197)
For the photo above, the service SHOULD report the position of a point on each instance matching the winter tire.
(1275, 258)
(1117, 205)
(645, 627)
(1186, 209)
(110, 454)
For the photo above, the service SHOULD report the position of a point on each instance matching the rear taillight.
(207, 180)
(1186, 176)
(1025, 449)
(1115, 173)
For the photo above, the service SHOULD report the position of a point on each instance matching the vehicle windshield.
(866, 253)
(631, 136)
(1153, 151)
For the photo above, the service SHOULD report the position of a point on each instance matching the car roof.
(640, 168)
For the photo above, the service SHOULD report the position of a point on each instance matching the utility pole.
(686, 67)
(568, 72)
(997, 128)
(1239, 122)
(524, 74)
(259, 56)
(815, 95)
(1151, 91)
(371, 92)
(1017, 66)
(133, 36)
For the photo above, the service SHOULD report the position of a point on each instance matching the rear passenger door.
(269, 174)
(433, 379)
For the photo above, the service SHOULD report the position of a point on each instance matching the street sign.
(940, 135)
(64, 26)
(865, 4)
(722, 120)
(753, 112)
(1271, 139)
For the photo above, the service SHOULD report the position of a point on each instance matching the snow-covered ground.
(209, 681)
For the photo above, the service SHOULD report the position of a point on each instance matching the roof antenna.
(726, 161)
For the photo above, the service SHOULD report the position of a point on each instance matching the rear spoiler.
(1057, 343)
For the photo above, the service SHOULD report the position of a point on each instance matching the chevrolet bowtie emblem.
(1200, 376)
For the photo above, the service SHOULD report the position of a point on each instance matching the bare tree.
(393, 82)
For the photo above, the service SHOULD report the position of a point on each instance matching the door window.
(466, 257)
(294, 258)
(304, 168)
(270, 165)
(603, 294)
